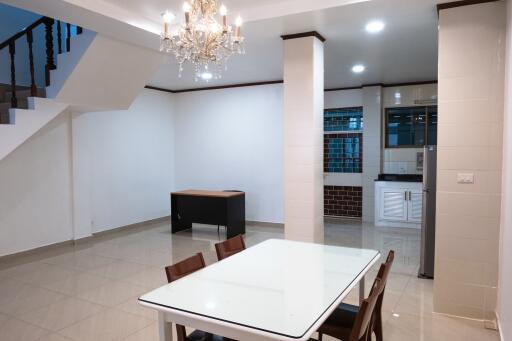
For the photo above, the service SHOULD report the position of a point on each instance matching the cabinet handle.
(410, 195)
(405, 195)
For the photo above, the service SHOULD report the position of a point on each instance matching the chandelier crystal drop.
(202, 40)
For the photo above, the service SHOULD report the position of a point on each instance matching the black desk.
(208, 207)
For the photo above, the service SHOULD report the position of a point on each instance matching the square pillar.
(303, 137)
(469, 141)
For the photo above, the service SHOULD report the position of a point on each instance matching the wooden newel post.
(50, 61)
(33, 88)
(12, 51)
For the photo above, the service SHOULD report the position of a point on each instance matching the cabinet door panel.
(415, 207)
(393, 205)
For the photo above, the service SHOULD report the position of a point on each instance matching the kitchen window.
(411, 127)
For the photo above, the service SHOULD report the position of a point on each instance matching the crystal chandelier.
(201, 39)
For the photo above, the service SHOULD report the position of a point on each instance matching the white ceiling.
(406, 51)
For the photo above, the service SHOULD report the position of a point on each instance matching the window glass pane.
(419, 124)
(399, 127)
(406, 127)
(432, 126)
(346, 119)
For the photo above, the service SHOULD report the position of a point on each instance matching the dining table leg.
(164, 327)
(361, 290)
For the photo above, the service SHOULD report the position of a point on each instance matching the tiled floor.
(89, 291)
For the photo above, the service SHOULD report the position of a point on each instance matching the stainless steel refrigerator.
(428, 221)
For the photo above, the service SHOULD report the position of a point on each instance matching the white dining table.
(275, 290)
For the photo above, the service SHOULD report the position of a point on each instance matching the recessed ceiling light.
(358, 68)
(375, 26)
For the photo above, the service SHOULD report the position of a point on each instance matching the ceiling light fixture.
(358, 68)
(375, 26)
(201, 39)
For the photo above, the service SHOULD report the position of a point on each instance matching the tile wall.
(471, 97)
(343, 153)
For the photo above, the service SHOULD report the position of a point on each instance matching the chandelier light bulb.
(167, 17)
(238, 21)
(186, 7)
(223, 10)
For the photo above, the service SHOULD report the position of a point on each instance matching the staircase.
(83, 72)
(24, 109)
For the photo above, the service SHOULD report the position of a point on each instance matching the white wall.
(129, 160)
(505, 268)
(118, 166)
(233, 139)
(35, 195)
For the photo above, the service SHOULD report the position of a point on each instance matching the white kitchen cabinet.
(398, 204)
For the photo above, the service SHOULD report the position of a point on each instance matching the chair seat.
(199, 335)
(339, 324)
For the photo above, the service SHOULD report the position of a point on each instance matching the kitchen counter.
(400, 177)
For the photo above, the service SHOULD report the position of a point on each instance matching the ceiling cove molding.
(461, 3)
(304, 34)
(242, 85)
(384, 85)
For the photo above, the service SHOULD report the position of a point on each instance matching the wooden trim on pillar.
(304, 34)
(461, 3)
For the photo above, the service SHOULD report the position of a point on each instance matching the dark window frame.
(386, 126)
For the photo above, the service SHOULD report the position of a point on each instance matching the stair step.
(23, 94)
(4, 110)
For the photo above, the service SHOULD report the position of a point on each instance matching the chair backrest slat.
(185, 267)
(230, 247)
(362, 325)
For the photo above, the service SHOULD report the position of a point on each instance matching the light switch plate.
(465, 178)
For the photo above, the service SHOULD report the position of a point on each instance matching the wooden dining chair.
(230, 247)
(344, 316)
(175, 272)
(361, 327)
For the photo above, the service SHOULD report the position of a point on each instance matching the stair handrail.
(22, 32)
(50, 60)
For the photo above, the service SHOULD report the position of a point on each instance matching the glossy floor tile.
(89, 291)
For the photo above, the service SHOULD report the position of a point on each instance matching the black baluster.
(12, 51)
(68, 37)
(59, 36)
(33, 88)
(50, 63)
(79, 30)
